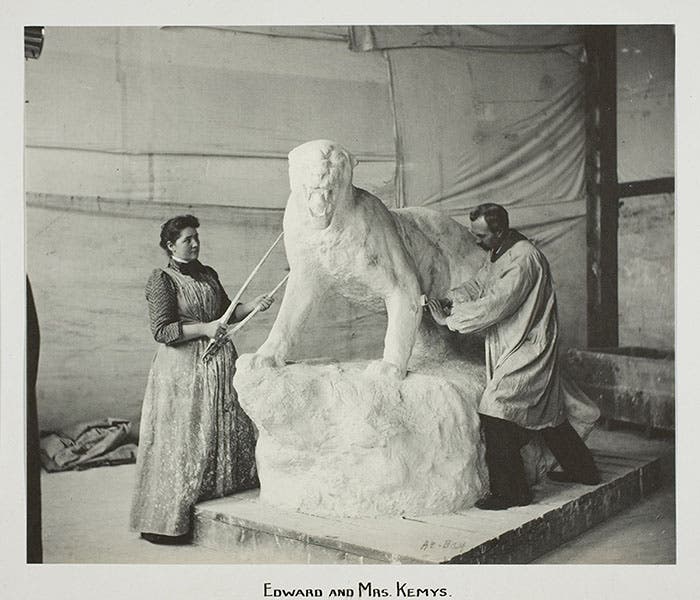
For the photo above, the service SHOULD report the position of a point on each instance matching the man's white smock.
(512, 300)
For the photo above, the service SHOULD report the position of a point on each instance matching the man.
(511, 299)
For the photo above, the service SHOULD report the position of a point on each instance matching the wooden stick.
(229, 311)
(215, 344)
(239, 325)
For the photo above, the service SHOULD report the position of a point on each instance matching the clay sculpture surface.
(342, 239)
(335, 441)
(365, 438)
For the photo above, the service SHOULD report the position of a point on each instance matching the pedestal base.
(631, 467)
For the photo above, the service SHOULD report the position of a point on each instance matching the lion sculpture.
(332, 443)
(342, 239)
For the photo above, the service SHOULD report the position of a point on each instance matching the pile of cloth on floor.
(86, 445)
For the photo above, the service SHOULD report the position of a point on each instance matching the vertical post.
(399, 194)
(602, 186)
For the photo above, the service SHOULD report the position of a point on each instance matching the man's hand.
(437, 311)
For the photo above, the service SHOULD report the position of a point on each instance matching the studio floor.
(85, 520)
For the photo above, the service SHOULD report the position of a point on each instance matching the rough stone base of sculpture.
(335, 441)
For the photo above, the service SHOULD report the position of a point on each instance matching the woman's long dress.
(195, 440)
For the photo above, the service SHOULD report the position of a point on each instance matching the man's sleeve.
(497, 302)
(470, 290)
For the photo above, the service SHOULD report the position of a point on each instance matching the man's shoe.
(495, 502)
(564, 477)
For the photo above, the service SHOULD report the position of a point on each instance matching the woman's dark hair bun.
(170, 230)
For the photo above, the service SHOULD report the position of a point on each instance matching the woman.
(195, 440)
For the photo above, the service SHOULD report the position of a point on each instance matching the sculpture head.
(320, 173)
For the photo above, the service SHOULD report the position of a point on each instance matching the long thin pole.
(229, 311)
(214, 345)
(239, 325)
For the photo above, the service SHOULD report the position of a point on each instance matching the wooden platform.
(631, 466)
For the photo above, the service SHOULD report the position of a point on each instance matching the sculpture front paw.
(384, 369)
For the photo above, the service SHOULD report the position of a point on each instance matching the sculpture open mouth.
(320, 208)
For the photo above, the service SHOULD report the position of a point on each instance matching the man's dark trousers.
(505, 464)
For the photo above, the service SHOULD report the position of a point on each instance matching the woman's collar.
(187, 267)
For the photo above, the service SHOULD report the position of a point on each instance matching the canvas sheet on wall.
(153, 120)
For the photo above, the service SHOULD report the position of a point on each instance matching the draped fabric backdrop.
(126, 127)
(496, 115)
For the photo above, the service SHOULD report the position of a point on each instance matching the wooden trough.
(634, 385)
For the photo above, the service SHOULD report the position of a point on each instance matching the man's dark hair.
(170, 230)
(495, 215)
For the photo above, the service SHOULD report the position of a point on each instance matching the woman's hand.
(263, 302)
(213, 329)
(437, 311)
(193, 331)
